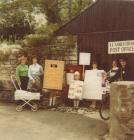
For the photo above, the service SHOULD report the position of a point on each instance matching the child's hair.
(77, 73)
(34, 57)
(94, 62)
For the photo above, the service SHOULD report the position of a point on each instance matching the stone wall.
(7, 68)
(122, 111)
(69, 55)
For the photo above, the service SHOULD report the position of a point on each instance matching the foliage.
(47, 30)
(38, 43)
(17, 20)
(7, 49)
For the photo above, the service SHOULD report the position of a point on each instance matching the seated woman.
(22, 73)
(34, 73)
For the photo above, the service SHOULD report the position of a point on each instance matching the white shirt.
(35, 69)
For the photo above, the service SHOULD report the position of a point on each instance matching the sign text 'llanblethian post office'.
(119, 47)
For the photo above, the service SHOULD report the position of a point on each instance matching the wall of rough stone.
(70, 56)
(122, 111)
(7, 68)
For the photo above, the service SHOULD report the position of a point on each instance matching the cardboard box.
(53, 74)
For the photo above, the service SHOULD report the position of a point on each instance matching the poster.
(93, 85)
(76, 90)
(84, 59)
(53, 74)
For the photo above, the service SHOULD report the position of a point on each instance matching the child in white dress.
(76, 90)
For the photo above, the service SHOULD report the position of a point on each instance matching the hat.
(76, 73)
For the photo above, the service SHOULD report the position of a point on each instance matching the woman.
(113, 72)
(22, 73)
(34, 73)
(94, 68)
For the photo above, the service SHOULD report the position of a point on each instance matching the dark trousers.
(24, 82)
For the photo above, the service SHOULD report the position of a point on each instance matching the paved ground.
(47, 125)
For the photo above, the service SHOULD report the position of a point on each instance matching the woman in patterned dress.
(34, 73)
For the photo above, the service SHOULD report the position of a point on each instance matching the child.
(52, 99)
(76, 90)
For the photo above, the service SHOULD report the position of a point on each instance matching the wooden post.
(83, 74)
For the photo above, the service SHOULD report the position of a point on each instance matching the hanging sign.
(120, 47)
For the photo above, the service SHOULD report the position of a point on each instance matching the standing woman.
(22, 73)
(34, 73)
(112, 74)
(94, 68)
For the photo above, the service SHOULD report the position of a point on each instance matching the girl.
(76, 90)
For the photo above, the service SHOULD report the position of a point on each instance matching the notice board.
(84, 58)
(93, 85)
(53, 74)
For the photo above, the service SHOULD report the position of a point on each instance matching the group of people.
(29, 76)
(119, 72)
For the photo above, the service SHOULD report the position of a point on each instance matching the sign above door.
(121, 47)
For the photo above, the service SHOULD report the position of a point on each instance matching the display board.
(93, 85)
(84, 58)
(53, 74)
(76, 90)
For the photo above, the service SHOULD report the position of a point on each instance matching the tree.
(17, 21)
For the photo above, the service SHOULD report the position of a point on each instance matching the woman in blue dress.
(34, 73)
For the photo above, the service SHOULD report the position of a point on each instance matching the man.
(124, 72)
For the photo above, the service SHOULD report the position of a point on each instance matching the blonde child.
(76, 90)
